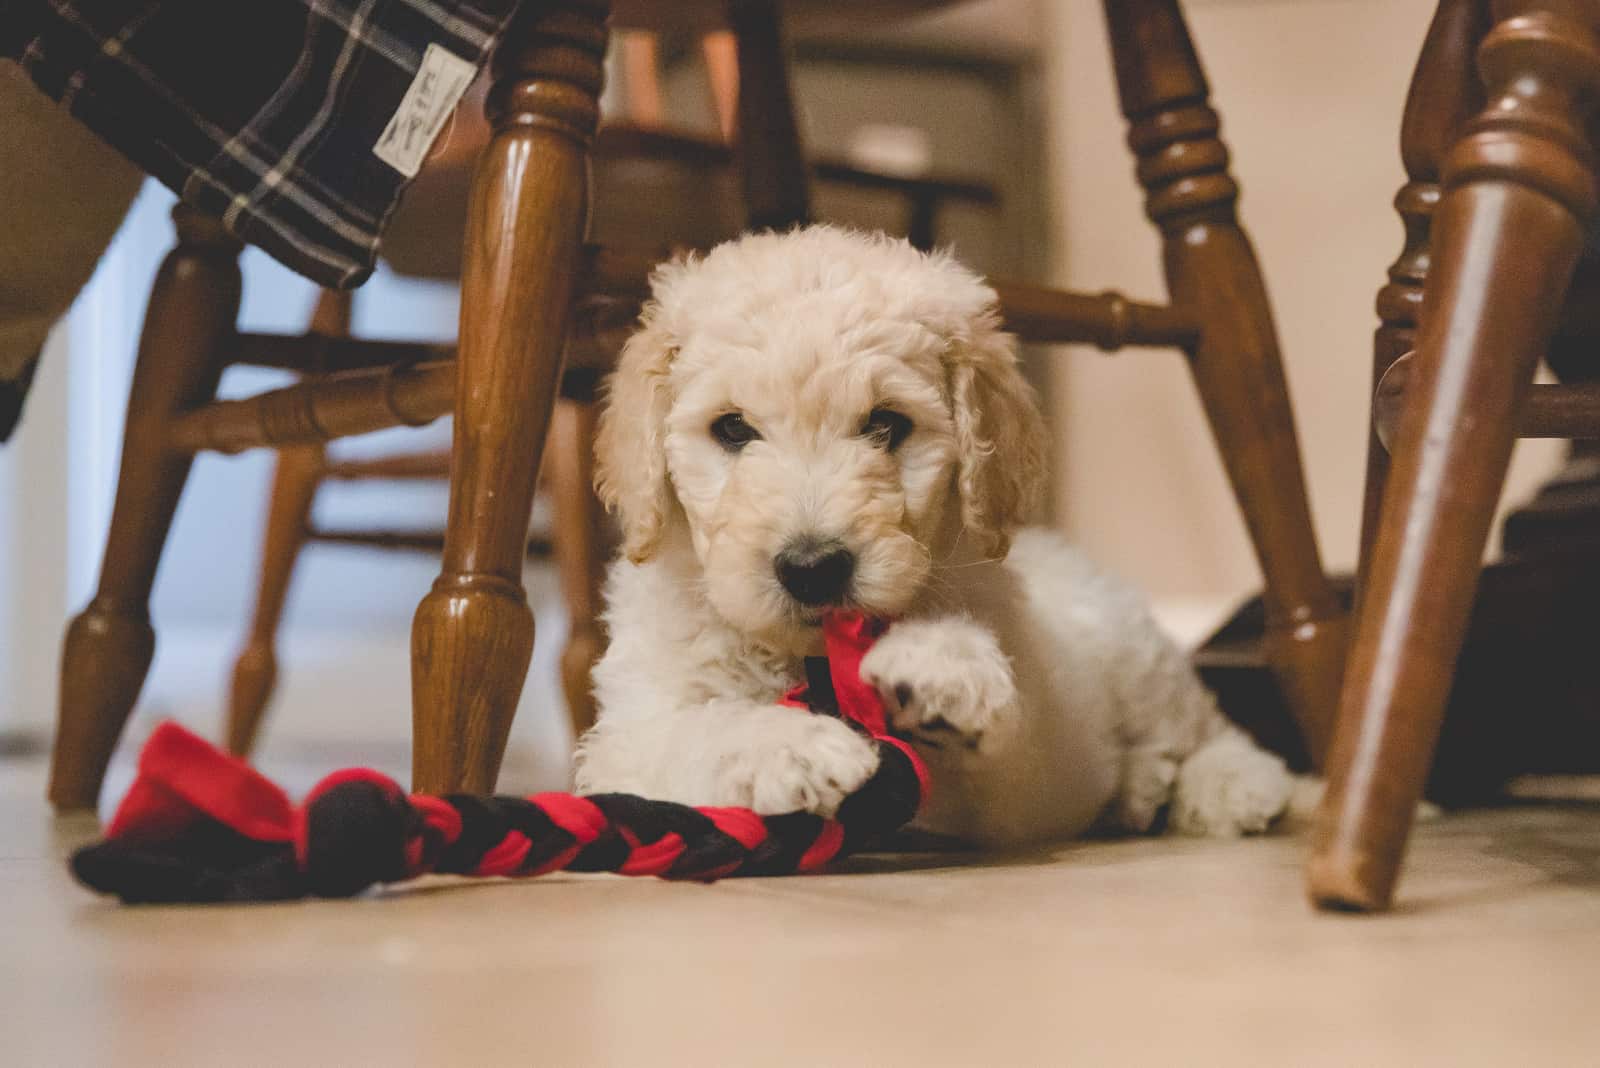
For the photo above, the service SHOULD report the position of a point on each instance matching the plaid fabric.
(262, 112)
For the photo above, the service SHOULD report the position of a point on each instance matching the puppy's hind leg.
(1230, 786)
(1149, 772)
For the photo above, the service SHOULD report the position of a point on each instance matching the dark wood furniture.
(524, 264)
(1501, 198)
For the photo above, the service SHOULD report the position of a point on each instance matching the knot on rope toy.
(201, 826)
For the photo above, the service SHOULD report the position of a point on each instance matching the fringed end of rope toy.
(201, 826)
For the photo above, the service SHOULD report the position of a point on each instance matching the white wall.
(33, 556)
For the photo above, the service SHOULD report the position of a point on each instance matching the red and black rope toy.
(201, 826)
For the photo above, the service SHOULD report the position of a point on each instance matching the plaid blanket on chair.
(298, 122)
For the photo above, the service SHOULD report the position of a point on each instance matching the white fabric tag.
(433, 94)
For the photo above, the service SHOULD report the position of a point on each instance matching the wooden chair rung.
(1108, 320)
(626, 141)
(319, 354)
(1565, 411)
(409, 466)
(539, 545)
(320, 409)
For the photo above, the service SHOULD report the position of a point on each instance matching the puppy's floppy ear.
(1000, 434)
(630, 448)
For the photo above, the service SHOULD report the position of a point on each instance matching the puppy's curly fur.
(1042, 694)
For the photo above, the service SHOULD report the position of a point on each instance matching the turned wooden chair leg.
(579, 545)
(1445, 93)
(473, 633)
(772, 162)
(255, 671)
(294, 487)
(1519, 194)
(1212, 273)
(109, 645)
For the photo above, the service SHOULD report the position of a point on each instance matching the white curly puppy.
(827, 419)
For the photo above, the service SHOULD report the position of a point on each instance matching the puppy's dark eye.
(732, 432)
(886, 427)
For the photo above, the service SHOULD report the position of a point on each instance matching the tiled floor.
(1164, 952)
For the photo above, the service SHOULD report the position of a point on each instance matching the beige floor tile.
(1164, 951)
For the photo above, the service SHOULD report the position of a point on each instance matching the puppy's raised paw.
(810, 765)
(947, 684)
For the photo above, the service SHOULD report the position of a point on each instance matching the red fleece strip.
(848, 636)
(655, 858)
(507, 855)
(579, 818)
(181, 775)
(740, 824)
(440, 815)
(824, 849)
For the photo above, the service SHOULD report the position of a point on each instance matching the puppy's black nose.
(815, 572)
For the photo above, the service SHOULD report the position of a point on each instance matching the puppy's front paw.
(945, 683)
(810, 764)
(1230, 787)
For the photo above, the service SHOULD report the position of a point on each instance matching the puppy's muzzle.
(815, 571)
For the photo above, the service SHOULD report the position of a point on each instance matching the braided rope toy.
(201, 826)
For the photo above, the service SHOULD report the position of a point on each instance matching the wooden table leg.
(1519, 194)
(473, 633)
(109, 645)
(1212, 273)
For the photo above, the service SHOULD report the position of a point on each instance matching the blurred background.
(1015, 94)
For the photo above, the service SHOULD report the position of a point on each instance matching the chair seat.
(668, 194)
(652, 188)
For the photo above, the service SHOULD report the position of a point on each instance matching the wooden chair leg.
(255, 671)
(1212, 272)
(720, 52)
(1519, 194)
(294, 488)
(109, 645)
(473, 633)
(579, 548)
(772, 162)
(1445, 93)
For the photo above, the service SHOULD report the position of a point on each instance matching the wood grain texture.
(320, 409)
(299, 471)
(1215, 282)
(1107, 320)
(473, 633)
(1519, 194)
(430, 466)
(109, 645)
(1571, 412)
(1445, 93)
